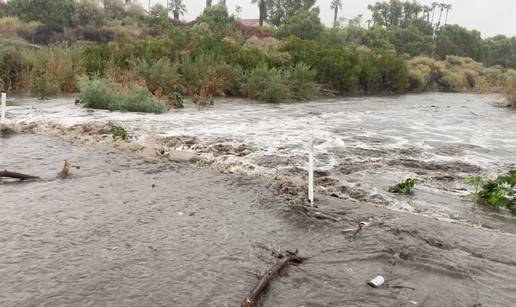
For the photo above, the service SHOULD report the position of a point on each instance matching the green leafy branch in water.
(500, 192)
(404, 187)
(119, 133)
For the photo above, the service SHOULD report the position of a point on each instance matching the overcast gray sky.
(491, 17)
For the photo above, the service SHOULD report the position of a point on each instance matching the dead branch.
(67, 167)
(252, 297)
(8, 174)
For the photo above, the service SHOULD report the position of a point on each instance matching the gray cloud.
(490, 17)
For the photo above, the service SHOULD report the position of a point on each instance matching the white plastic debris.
(377, 282)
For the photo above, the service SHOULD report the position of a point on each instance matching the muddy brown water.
(362, 145)
(123, 231)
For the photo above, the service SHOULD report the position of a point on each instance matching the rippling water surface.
(363, 145)
(123, 231)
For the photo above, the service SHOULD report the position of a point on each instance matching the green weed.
(404, 187)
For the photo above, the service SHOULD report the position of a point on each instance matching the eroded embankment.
(123, 230)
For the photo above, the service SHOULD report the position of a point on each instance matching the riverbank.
(132, 231)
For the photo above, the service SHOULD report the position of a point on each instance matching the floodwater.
(362, 145)
(127, 231)
(124, 231)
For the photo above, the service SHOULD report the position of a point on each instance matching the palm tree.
(434, 5)
(427, 11)
(336, 5)
(238, 10)
(262, 5)
(448, 9)
(441, 6)
(208, 3)
(177, 7)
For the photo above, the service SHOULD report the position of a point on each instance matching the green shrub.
(98, 94)
(404, 187)
(266, 84)
(456, 60)
(44, 86)
(301, 82)
(500, 192)
(139, 99)
(452, 81)
(339, 68)
(419, 78)
(208, 75)
(102, 94)
(162, 75)
(11, 67)
(118, 132)
(59, 66)
(304, 24)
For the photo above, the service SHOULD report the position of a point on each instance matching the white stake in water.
(3, 107)
(311, 171)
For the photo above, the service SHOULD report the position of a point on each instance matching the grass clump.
(404, 187)
(100, 93)
(498, 193)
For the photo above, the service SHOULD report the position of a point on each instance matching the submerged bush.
(404, 187)
(499, 193)
(118, 132)
(100, 93)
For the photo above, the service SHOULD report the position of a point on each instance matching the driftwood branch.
(15, 175)
(251, 298)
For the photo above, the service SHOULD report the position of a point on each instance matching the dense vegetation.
(123, 58)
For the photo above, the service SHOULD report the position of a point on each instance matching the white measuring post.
(311, 170)
(3, 107)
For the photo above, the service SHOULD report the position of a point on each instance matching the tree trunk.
(335, 17)
(263, 12)
(439, 22)
(208, 3)
(446, 19)
(176, 16)
(265, 279)
(14, 175)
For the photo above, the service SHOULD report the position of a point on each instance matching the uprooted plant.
(404, 187)
(119, 133)
(499, 193)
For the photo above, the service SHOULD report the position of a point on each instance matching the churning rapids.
(131, 231)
